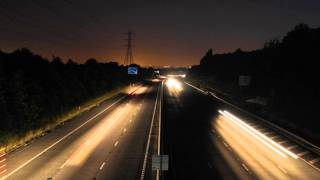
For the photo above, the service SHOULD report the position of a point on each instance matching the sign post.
(160, 162)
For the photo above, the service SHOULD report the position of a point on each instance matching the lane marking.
(61, 139)
(225, 144)
(303, 153)
(315, 160)
(65, 163)
(149, 138)
(102, 165)
(3, 166)
(282, 169)
(116, 143)
(3, 160)
(3, 171)
(291, 147)
(245, 167)
(3, 154)
(200, 90)
(159, 129)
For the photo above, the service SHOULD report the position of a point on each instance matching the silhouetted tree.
(34, 90)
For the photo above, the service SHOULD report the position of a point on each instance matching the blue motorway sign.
(133, 70)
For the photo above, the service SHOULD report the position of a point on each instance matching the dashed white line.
(61, 139)
(245, 167)
(64, 164)
(3, 171)
(2, 160)
(116, 143)
(3, 166)
(102, 165)
(225, 144)
(282, 169)
(148, 141)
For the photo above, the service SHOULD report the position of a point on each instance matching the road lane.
(204, 144)
(267, 160)
(186, 132)
(82, 153)
(128, 158)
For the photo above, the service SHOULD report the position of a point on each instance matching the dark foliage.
(34, 90)
(286, 72)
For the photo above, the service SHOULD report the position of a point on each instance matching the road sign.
(133, 70)
(160, 162)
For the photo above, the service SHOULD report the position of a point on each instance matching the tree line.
(34, 90)
(285, 71)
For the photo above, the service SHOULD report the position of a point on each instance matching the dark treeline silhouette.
(285, 72)
(34, 90)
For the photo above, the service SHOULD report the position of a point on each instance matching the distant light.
(174, 84)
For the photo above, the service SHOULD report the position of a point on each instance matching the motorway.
(205, 140)
(107, 142)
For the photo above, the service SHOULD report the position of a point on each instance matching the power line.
(129, 53)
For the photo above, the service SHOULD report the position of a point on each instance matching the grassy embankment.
(10, 141)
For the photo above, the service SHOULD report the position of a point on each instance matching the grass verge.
(10, 141)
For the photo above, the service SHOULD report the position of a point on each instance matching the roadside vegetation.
(37, 94)
(284, 79)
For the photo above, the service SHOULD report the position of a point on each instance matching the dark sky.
(168, 32)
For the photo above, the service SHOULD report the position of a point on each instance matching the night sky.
(167, 32)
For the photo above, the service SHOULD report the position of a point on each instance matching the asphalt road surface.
(116, 140)
(203, 143)
(108, 142)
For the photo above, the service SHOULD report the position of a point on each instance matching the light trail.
(262, 135)
(253, 134)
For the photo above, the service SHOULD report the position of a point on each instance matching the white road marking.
(3, 160)
(245, 167)
(3, 171)
(61, 139)
(102, 165)
(225, 144)
(65, 163)
(3, 166)
(149, 137)
(282, 169)
(116, 143)
(159, 130)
